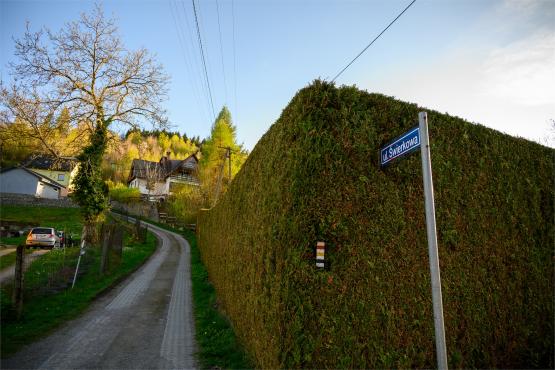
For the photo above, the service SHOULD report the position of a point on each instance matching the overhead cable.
(203, 60)
(188, 64)
(370, 44)
(221, 49)
(234, 59)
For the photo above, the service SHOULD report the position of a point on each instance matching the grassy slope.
(68, 219)
(217, 344)
(42, 312)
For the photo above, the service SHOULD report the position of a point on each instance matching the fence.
(44, 272)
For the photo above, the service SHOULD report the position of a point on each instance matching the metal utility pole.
(227, 156)
(441, 347)
(228, 152)
(219, 184)
(229, 160)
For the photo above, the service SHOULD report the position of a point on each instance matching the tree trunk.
(89, 233)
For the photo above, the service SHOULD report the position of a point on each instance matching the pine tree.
(214, 163)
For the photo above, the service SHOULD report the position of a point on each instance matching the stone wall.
(32, 201)
(143, 208)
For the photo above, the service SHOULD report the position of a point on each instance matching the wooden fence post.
(116, 246)
(18, 280)
(105, 237)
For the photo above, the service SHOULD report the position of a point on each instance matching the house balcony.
(185, 179)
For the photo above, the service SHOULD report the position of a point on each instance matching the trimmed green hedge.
(315, 176)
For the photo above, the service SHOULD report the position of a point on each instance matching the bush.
(121, 193)
(315, 176)
(185, 203)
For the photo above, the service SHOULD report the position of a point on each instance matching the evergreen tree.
(215, 151)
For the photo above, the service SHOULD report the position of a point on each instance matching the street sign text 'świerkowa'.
(404, 144)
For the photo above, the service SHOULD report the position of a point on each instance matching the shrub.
(121, 193)
(315, 176)
(185, 203)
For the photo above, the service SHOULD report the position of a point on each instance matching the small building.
(61, 170)
(157, 180)
(21, 180)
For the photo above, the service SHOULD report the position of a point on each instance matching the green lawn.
(67, 219)
(12, 240)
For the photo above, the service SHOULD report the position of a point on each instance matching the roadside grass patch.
(7, 260)
(49, 300)
(217, 343)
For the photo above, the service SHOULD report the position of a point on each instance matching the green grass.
(215, 336)
(66, 219)
(43, 310)
(7, 260)
(218, 346)
(12, 240)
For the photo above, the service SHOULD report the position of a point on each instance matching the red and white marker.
(320, 251)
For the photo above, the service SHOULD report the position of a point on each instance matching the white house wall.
(161, 188)
(46, 191)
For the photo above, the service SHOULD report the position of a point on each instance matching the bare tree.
(85, 68)
(154, 175)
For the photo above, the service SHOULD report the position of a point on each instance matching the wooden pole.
(18, 280)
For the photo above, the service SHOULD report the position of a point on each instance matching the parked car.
(42, 237)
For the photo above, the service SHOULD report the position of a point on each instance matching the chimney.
(168, 154)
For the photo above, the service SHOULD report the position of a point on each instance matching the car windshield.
(41, 230)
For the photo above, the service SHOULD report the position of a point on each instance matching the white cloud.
(501, 74)
(455, 85)
(522, 72)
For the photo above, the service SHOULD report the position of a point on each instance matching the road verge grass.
(7, 260)
(217, 343)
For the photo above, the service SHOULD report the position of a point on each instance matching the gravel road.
(144, 323)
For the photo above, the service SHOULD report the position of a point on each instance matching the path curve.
(8, 272)
(144, 323)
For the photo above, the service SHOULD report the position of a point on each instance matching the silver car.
(42, 237)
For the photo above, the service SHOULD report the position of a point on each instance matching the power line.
(221, 49)
(370, 44)
(234, 59)
(188, 63)
(195, 61)
(203, 60)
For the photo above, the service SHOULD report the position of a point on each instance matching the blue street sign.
(404, 144)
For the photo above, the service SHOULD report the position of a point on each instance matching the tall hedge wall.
(315, 176)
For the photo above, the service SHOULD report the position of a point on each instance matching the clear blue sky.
(491, 62)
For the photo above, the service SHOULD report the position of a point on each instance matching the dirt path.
(145, 323)
(5, 251)
(9, 271)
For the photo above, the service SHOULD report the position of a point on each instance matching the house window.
(61, 177)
